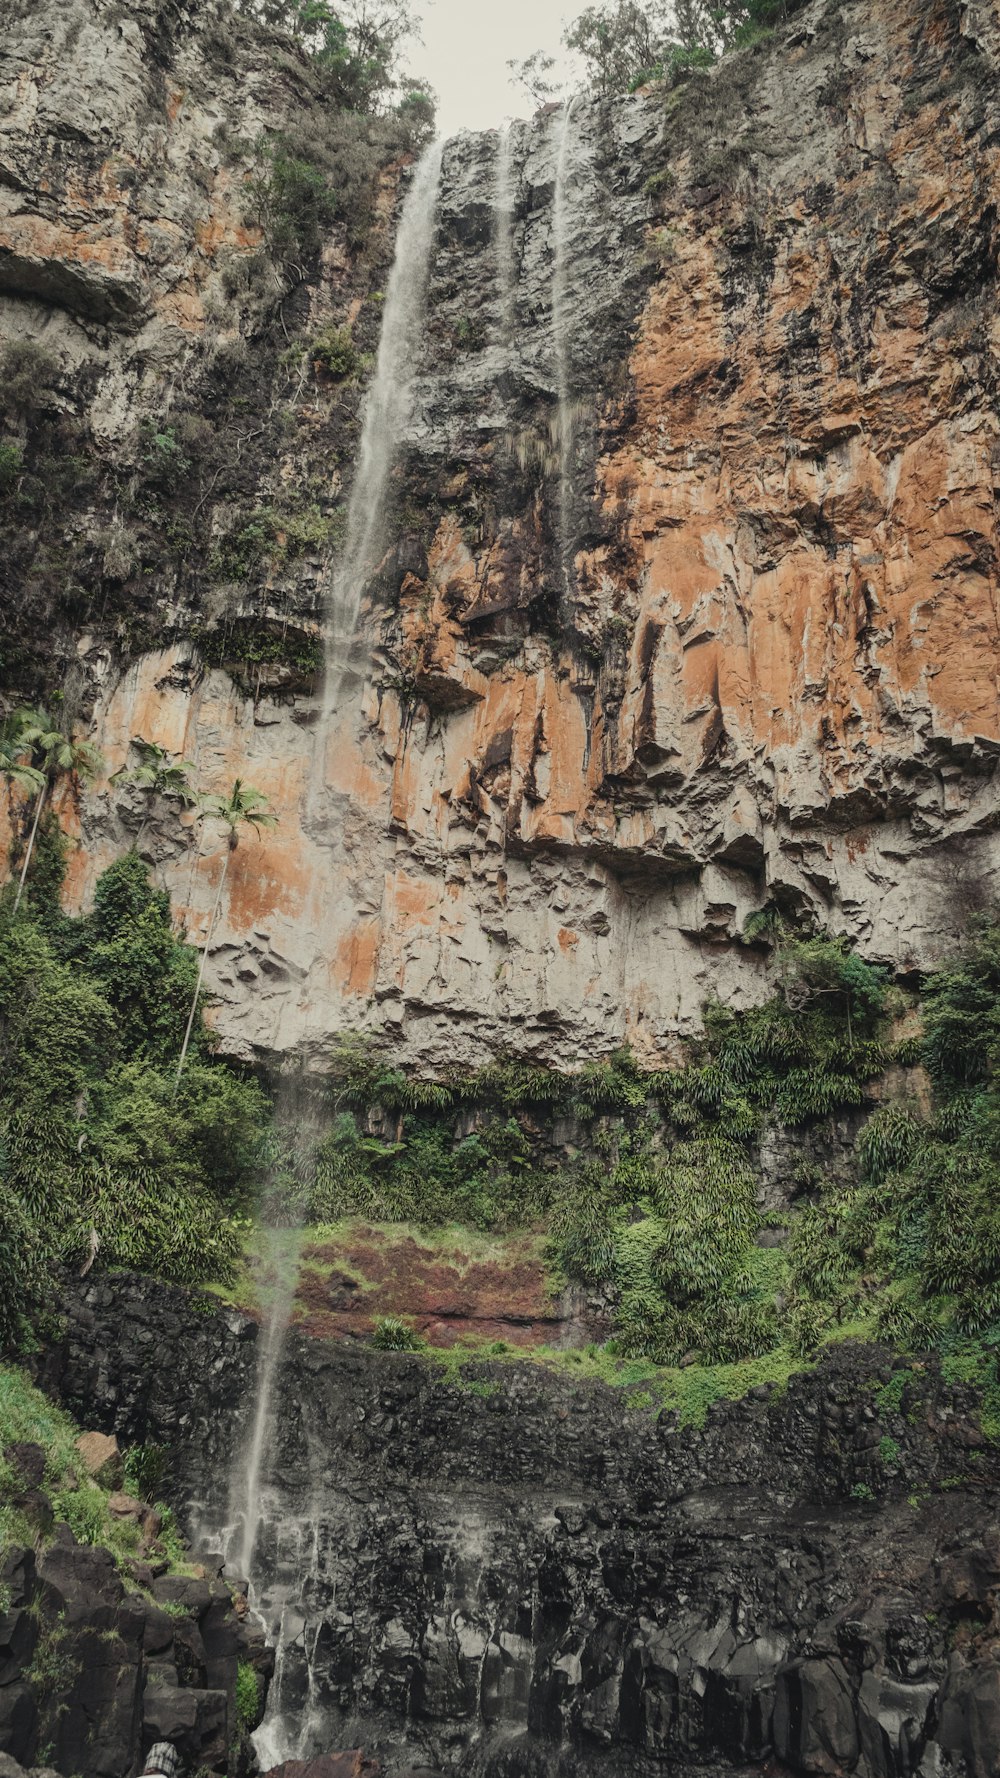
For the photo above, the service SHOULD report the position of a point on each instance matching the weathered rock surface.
(547, 808)
(91, 1674)
(520, 1577)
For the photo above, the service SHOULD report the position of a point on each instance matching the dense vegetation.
(99, 1140)
(29, 1419)
(622, 44)
(646, 1183)
(657, 1205)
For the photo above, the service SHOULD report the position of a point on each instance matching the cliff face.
(506, 1573)
(688, 604)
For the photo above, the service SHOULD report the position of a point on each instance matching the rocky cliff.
(504, 1572)
(687, 601)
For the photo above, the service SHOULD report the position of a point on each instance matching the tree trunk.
(201, 970)
(42, 794)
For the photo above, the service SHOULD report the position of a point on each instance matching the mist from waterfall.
(561, 224)
(387, 411)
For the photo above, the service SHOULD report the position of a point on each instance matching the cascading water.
(503, 229)
(561, 221)
(386, 414)
(245, 1510)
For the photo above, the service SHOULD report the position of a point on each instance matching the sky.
(466, 47)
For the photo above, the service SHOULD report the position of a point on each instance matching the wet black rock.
(518, 1575)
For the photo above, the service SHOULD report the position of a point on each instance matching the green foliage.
(11, 465)
(94, 1136)
(248, 1699)
(962, 1013)
(888, 1452)
(29, 1417)
(248, 642)
(334, 351)
(145, 1466)
(290, 198)
(393, 1335)
(470, 333)
(626, 43)
(269, 537)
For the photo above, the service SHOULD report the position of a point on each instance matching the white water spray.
(503, 229)
(387, 412)
(246, 1505)
(561, 220)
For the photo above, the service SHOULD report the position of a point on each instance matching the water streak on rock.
(386, 413)
(561, 224)
(503, 230)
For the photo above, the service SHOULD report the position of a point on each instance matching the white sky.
(466, 47)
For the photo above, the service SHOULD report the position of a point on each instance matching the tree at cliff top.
(623, 43)
(357, 43)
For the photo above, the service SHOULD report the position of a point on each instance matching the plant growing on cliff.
(242, 807)
(158, 774)
(53, 754)
(248, 1698)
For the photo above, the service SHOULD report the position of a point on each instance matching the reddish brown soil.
(446, 1296)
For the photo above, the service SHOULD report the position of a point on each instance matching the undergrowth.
(27, 1417)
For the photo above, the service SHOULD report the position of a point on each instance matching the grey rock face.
(520, 1578)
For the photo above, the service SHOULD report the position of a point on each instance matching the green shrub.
(248, 1699)
(470, 333)
(145, 1466)
(334, 351)
(290, 197)
(392, 1335)
(11, 464)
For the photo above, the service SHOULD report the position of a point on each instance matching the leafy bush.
(248, 1700)
(11, 464)
(392, 1335)
(290, 198)
(334, 351)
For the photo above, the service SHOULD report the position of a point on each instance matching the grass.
(28, 1417)
(272, 1259)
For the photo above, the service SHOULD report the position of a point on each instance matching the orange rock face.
(769, 672)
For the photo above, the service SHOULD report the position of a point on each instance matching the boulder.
(101, 1458)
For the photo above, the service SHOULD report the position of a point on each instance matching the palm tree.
(243, 807)
(15, 754)
(52, 753)
(158, 774)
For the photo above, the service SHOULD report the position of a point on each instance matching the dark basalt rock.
(91, 1675)
(525, 1578)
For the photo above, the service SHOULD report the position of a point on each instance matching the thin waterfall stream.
(387, 412)
(503, 230)
(561, 221)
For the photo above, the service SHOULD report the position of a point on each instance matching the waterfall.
(503, 229)
(245, 1505)
(560, 333)
(386, 415)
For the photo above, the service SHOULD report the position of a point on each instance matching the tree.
(52, 754)
(243, 807)
(358, 43)
(15, 755)
(160, 773)
(621, 42)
